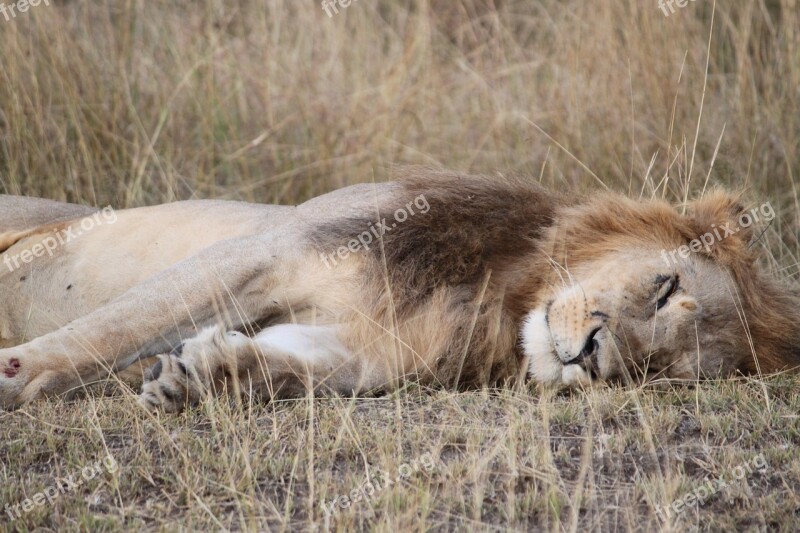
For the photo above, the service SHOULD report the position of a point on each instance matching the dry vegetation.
(131, 103)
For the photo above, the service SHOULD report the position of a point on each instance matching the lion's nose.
(588, 350)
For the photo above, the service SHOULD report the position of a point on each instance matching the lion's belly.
(106, 254)
(53, 278)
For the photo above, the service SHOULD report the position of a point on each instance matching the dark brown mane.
(475, 224)
(449, 269)
(466, 272)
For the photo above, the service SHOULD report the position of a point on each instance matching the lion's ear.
(722, 224)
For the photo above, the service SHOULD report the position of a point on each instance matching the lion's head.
(638, 289)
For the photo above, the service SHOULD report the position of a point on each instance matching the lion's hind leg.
(19, 216)
(287, 360)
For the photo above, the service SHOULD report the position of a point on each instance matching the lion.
(440, 278)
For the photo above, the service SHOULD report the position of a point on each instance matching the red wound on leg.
(12, 369)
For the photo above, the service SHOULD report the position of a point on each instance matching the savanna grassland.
(131, 103)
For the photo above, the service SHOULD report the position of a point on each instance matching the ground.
(485, 460)
(136, 103)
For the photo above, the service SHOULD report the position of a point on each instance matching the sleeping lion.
(444, 279)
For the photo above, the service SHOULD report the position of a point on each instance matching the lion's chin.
(543, 365)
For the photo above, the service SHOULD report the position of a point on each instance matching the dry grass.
(132, 103)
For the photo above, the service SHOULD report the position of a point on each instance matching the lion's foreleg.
(235, 281)
(286, 360)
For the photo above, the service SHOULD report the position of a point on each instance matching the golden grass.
(132, 103)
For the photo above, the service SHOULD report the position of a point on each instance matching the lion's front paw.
(189, 374)
(172, 384)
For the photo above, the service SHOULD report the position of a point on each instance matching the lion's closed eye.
(667, 286)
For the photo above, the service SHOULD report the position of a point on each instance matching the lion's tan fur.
(441, 298)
